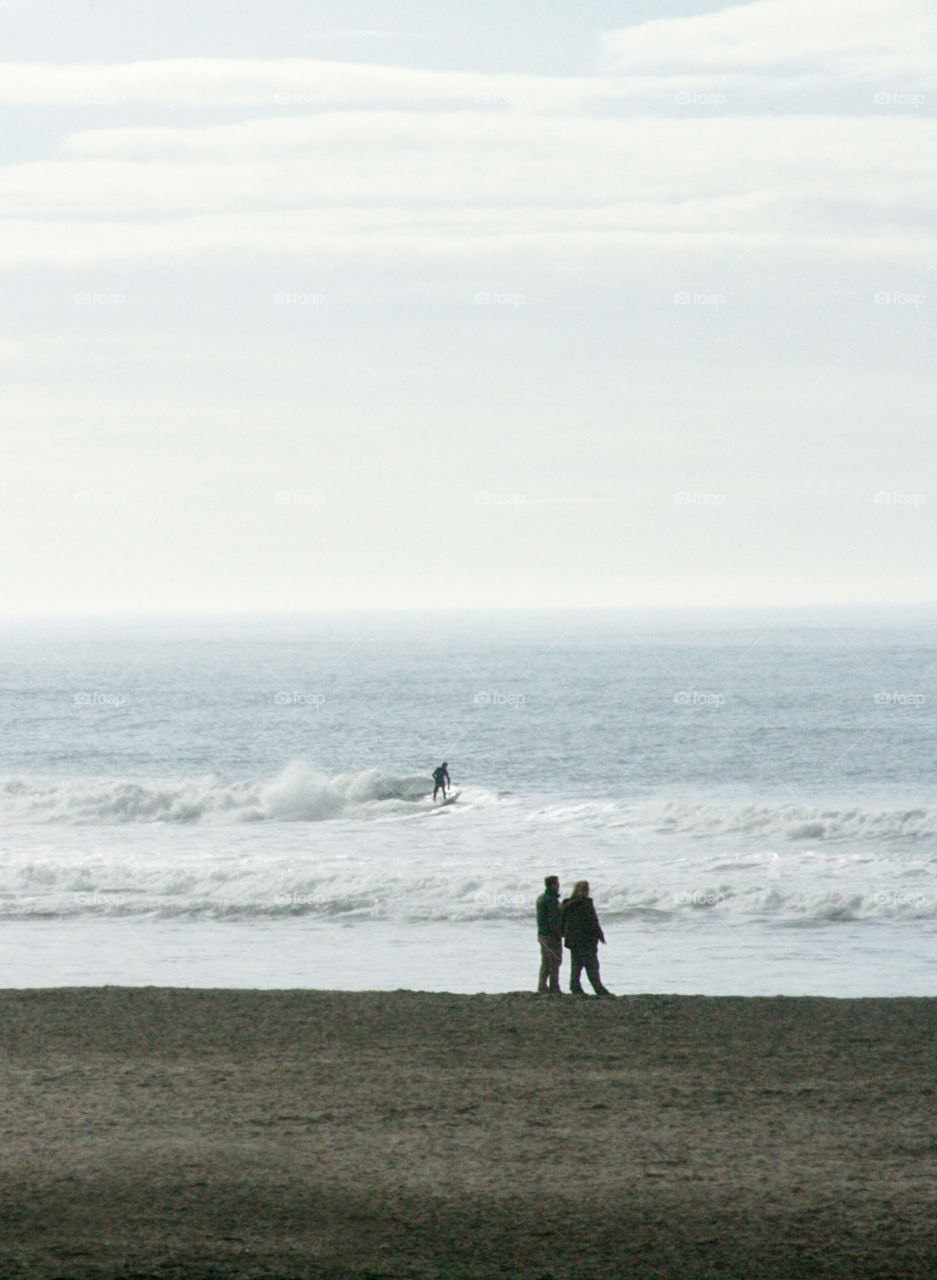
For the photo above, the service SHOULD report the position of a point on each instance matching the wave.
(301, 793)
(665, 862)
(790, 822)
(257, 888)
(298, 794)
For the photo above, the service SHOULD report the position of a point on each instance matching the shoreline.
(196, 1132)
(845, 961)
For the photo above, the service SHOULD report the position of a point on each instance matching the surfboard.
(451, 799)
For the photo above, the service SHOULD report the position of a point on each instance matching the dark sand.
(159, 1133)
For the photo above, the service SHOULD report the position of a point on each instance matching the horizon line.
(453, 610)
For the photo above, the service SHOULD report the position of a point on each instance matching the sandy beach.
(189, 1133)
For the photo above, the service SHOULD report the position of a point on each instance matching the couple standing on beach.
(574, 920)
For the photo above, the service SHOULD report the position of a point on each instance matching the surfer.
(441, 780)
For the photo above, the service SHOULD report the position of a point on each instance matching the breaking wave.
(79, 884)
(186, 849)
(298, 794)
(301, 793)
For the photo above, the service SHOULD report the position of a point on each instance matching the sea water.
(247, 802)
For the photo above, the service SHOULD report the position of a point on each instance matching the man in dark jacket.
(583, 933)
(550, 937)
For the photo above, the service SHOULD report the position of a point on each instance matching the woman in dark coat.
(582, 934)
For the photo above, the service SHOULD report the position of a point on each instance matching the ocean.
(246, 802)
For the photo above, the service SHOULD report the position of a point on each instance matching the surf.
(298, 793)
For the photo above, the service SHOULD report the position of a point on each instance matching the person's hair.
(551, 881)
(580, 889)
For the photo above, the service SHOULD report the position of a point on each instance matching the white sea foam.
(302, 793)
(82, 886)
(350, 848)
(792, 822)
(299, 793)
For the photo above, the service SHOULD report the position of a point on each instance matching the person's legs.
(591, 962)
(551, 955)
(545, 963)
(555, 966)
(575, 971)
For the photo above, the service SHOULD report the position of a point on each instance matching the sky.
(489, 305)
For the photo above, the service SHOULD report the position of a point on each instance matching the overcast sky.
(524, 303)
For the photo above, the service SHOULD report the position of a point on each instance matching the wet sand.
(184, 1133)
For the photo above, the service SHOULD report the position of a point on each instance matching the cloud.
(298, 83)
(796, 55)
(699, 235)
(470, 175)
(365, 33)
(418, 161)
(859, 40)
